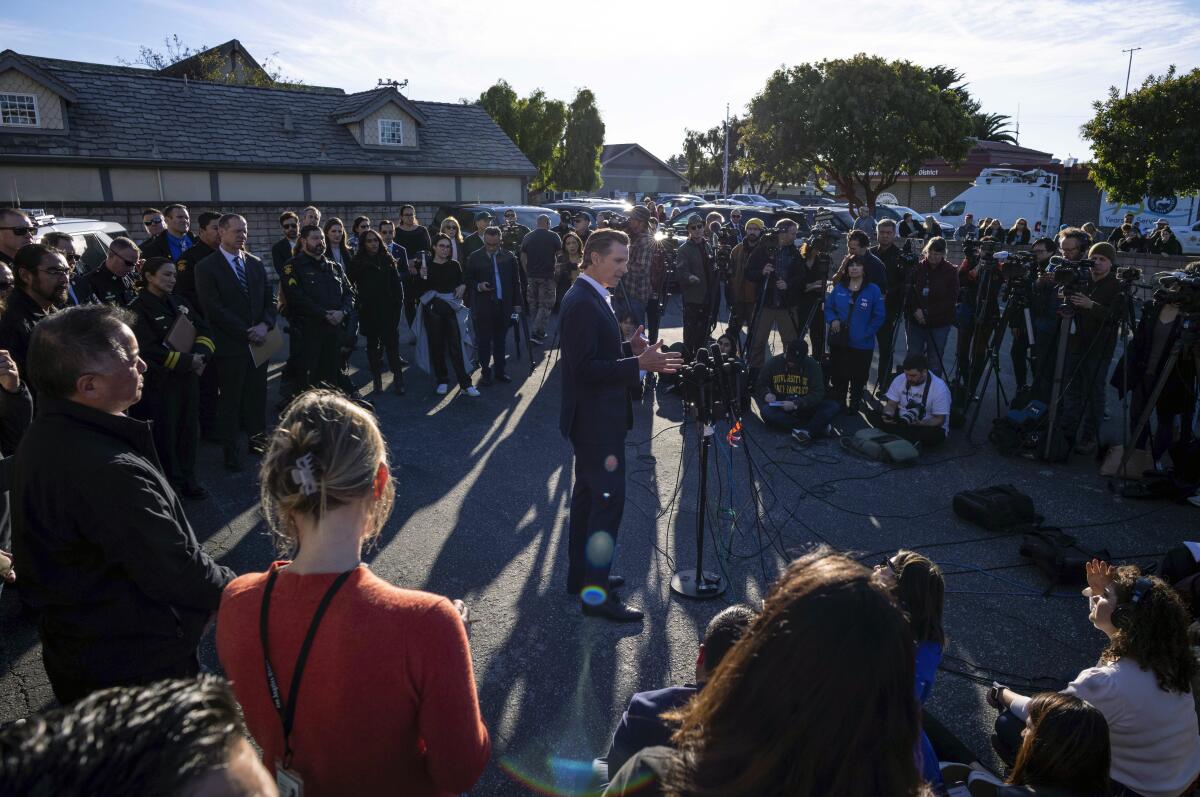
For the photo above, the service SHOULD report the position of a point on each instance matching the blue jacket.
(868, 315)
(929, 656)
(642, 727)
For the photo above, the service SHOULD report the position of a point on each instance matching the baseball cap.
(641, 213)
(482, 215)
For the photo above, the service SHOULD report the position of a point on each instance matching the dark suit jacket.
(158, 246)
(642, 726)
(281, 253)
(228, 311)
(479, 269)
(598, 369)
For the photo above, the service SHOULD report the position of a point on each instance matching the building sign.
(1177, 211)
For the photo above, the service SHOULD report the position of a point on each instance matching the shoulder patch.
(181, 265)
(287, 269)
(292, 282)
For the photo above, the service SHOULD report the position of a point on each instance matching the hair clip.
(305, 476)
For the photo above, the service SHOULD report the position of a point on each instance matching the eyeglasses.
(56, 271)
(20, 231)
(71, 258)
(153, 222)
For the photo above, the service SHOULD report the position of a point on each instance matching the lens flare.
(600, 548)
(610, 463)
(593, 596)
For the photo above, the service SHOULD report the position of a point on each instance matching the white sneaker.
(473, 391)
(443, 389)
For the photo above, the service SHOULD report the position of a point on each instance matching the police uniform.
(170, 389)
(313, 287)
(108, 288)
(185, 287)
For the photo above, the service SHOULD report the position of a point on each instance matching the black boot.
(377, 384)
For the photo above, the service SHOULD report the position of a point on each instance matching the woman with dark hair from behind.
(1064, 753)
(171, 386)
(1142, 684)
(919, 588)
(380, 301)
(830, 642)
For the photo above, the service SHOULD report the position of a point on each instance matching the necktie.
(239, 270)
(496, 271)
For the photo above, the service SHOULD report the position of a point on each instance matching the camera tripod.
(992, 367)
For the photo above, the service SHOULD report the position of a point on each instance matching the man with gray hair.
(123, 588)
(539, 254)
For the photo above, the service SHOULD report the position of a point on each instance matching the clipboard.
(182, 335)
(273, 343)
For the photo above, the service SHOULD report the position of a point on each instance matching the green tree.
(577, 164)
(985, 126)
(1145, 143)
(704, 158)
(859, 123)
(534, 123)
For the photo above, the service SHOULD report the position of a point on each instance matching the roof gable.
(612, 152)
(357, 107)
(11, 60)
(232, 55)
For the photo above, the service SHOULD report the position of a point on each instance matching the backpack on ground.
(998, 508)
(878, 445)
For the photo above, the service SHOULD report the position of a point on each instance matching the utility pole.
(1131, 51)
(725, 170)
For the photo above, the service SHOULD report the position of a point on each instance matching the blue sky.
(657, 68)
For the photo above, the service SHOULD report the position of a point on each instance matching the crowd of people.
(112, 377)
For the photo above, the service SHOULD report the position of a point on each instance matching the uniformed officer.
(112, 282)
(170, 389)
(319, 298)
(208, 239)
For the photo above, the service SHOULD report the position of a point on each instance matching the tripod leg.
(1064, 331)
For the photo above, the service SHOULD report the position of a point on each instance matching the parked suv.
(465, 213)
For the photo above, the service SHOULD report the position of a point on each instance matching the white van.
(1008, 195)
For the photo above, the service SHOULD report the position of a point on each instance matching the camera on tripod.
(1073, 276)
(511, 236)
(823, 237)
(1181, 288)
(712, 384)
(908, 258)
(1129, 273)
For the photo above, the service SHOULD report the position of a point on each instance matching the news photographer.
(918, 405)
(742, 291)
(1171, 314)
(791, 394)
(933, 292)
(696, 268)
(638, 283)
(1042, 316)
(779, 272)
(895, 267)
(1096, 303)
(854, 311)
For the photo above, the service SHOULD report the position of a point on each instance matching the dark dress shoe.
(403, 363)
(485, 380)
(233, 461)
(398, 387)
(504, 377)
(377, 384)
(616, 582)
(613, 609)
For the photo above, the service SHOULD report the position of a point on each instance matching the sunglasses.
(153, 222)
(21, 231)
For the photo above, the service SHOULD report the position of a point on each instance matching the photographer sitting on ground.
(1142, 684)
(642, 724)
(791, 394)
(918, 405)
(1064, 752)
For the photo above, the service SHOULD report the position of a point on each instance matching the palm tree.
(993, 127)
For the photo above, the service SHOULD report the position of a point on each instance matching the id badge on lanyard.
(289, 781)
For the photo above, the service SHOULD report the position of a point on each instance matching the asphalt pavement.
(481, 512)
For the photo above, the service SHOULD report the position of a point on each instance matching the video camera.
(712, 384)
(908, 258)
(1073, 276)
(613, 221)
(1181, 288)
(912, 413)
(976, 250)
(511, 235)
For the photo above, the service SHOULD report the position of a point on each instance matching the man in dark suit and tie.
(239, 305)
(599, 369)
(491, 277)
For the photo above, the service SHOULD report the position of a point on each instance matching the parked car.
(92, 237)
(1190, 240)
(465, 213)
(593, 209)
(896, 214)
(769, 216)
(758, 200)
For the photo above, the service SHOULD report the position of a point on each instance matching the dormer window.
(391, 132)
(19, 110)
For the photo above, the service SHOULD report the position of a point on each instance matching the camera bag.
(998, 508)
(1060, 556)
(880, 446)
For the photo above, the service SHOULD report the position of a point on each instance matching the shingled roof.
(130, 116)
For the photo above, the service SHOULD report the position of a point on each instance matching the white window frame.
(37, 114)
(398, 126)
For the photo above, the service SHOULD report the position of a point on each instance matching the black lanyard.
(288, 714)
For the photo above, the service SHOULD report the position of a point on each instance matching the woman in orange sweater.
(366, 688)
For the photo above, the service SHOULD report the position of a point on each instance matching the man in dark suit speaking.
(599, 368)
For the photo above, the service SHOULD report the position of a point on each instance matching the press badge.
(289, 782)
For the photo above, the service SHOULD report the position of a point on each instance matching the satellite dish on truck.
(1008, 194)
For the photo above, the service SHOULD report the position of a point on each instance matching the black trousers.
(886, 337)
(243, 401)
(695, 327)
(386, 341)
(173, 408)
(491, 328)
(444, 337)
(321, 357)
(209, 389)
(925, 436)
(597, 503)
(69, 685)
(1019, 352)
(654, 311)
(851, 368)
